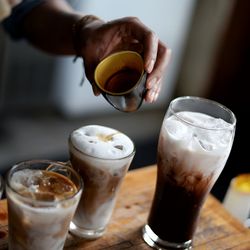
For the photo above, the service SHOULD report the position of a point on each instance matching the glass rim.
(102, 158)
(142, 73)
(231, 125)
(44, 204)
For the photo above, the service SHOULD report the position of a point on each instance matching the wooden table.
(217, 229)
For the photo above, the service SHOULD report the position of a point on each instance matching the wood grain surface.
(217, 229)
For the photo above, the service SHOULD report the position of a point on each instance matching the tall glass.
(194, 143)
(102, 156)
(42, 198)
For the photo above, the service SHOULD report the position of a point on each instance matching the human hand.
(6, 6)
(99, 39)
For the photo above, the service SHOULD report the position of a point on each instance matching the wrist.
(81, 29)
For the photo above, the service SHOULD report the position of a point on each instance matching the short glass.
(1, 186)
(194, 143)
(237, 198)
(42, 197)
(121, 79)
(102, 180)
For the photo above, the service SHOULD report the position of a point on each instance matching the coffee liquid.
(101, 187)
(176, 221)
(49, 186)
(122, 80)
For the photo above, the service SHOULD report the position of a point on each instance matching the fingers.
(150, 51)
(156, 57)
(146, 37)
(129, 34)
(154, 79)
(153, 93)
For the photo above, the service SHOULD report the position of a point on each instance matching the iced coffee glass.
(194, 143)
(42, 198)
(102, 156)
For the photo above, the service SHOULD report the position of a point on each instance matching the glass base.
(85, 233)
(154, 241)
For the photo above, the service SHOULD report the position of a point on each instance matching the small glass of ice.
(194, 143)
(42, 198)
(237, 198)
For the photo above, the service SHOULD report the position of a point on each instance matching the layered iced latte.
(193, 148)
(102, 156)
(42, 198)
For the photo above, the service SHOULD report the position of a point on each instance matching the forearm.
(49, 27)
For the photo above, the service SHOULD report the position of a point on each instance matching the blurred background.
(41, 100)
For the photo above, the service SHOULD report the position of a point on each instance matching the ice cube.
(220, 124)
(176, 128)
(211, 140)
(25, 179)
(204, 120)
(45, 196)
(206, 145)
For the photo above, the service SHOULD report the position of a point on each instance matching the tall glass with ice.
(42, 198)
(194, 143)
(102, 156)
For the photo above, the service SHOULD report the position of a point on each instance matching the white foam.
(205, 132)
(189, 142)
(203, 120)
(102, 142)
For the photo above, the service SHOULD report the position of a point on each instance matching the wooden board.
(217, 229)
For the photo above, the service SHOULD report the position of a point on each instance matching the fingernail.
(152, 83)
(148, 97)
(156, 96)
(150, 66)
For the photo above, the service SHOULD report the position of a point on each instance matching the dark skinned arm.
(49, 27)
